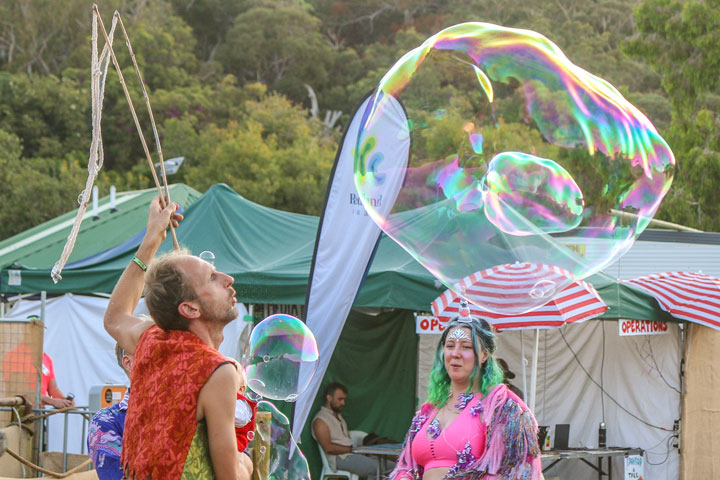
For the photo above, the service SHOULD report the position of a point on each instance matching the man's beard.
(222, 318)
(336, 408)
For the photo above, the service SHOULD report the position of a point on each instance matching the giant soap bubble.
(282, 357)
(278, 455)
(486, 153)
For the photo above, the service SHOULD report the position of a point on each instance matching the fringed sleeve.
(511, 450)
(406, 468)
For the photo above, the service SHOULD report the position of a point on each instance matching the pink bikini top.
(443, 450)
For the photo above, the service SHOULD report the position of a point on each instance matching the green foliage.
(33, 190)
(227, 83)
(681, 39)
(48, 114)
(277, 156)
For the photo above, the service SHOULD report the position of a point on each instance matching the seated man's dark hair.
(330, 389)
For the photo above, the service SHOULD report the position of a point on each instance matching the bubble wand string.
(98, 73)
(135, 118)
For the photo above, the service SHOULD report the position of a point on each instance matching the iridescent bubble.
(208, 256)
(285, 460)
(282, 357)
(485, 147)
(519, 189)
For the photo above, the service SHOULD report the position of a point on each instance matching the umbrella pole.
(533, 372)
(523, 362)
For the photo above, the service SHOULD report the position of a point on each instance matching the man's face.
(336, 401)
(213, 290)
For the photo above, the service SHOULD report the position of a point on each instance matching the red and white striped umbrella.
(694, 297)
(512, 288)
(575, 303)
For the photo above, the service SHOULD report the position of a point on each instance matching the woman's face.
(459, 354)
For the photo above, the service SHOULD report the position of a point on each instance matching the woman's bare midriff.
(435, 473)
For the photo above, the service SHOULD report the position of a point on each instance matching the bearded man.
(180, 418)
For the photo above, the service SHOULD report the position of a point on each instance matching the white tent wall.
(641, 373)
(83, 354)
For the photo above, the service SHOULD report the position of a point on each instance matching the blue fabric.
(105, 435)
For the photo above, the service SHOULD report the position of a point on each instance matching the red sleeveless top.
(169, 370)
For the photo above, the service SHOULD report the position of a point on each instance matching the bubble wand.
(165, 199)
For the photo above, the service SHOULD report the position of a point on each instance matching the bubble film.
(486, 147)
(208, 256)
(282, 358)
(277, 446)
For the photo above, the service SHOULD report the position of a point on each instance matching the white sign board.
(428, 324)
(642, 327)
(14, 277)
(634, 467)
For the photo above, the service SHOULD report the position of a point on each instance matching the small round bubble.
(486, 147)
(208, 256)
(282, 357)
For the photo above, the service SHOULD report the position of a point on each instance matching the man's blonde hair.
(166, 287)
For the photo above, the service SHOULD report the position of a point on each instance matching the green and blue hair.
(489, 372)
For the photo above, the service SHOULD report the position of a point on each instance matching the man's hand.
(159, 220)
(246, 465)
(58, 402)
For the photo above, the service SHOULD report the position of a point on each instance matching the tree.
(48, 114)
(277, 157)
(279, 46)
(681, 39)
(34, 190)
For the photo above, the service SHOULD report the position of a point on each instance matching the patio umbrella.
(513, 287)
(575, 303)
(694, 297)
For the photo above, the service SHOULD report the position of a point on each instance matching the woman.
(473, 426)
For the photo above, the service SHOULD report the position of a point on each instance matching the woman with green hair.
(473, 426)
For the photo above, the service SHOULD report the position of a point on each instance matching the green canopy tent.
(268, 252)
(32, 253)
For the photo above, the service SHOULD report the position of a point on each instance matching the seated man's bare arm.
(216, 405)
(119, 320)
(322, 435)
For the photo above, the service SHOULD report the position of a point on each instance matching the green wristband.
(139, 263)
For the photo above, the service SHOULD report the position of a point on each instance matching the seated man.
(105, 433)
(331, 432)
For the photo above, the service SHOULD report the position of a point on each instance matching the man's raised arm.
(119, 321)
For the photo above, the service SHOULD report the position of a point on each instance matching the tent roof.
(42, 245)
(267, 251)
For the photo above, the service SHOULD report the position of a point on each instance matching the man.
(331, 432)
(21, 374)
(509, 375)
(180, 418)
(50, 393)
(105, 433)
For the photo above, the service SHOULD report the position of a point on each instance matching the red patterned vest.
(169, 370)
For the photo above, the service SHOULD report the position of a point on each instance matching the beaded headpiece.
(459, 334)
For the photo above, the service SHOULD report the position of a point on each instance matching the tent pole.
(533, 373)
(43, 299)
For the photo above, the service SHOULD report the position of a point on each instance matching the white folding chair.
(328, 473)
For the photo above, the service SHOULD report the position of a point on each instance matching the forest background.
(228, 81)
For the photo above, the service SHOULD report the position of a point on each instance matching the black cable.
(667, 453)
(605, 392)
